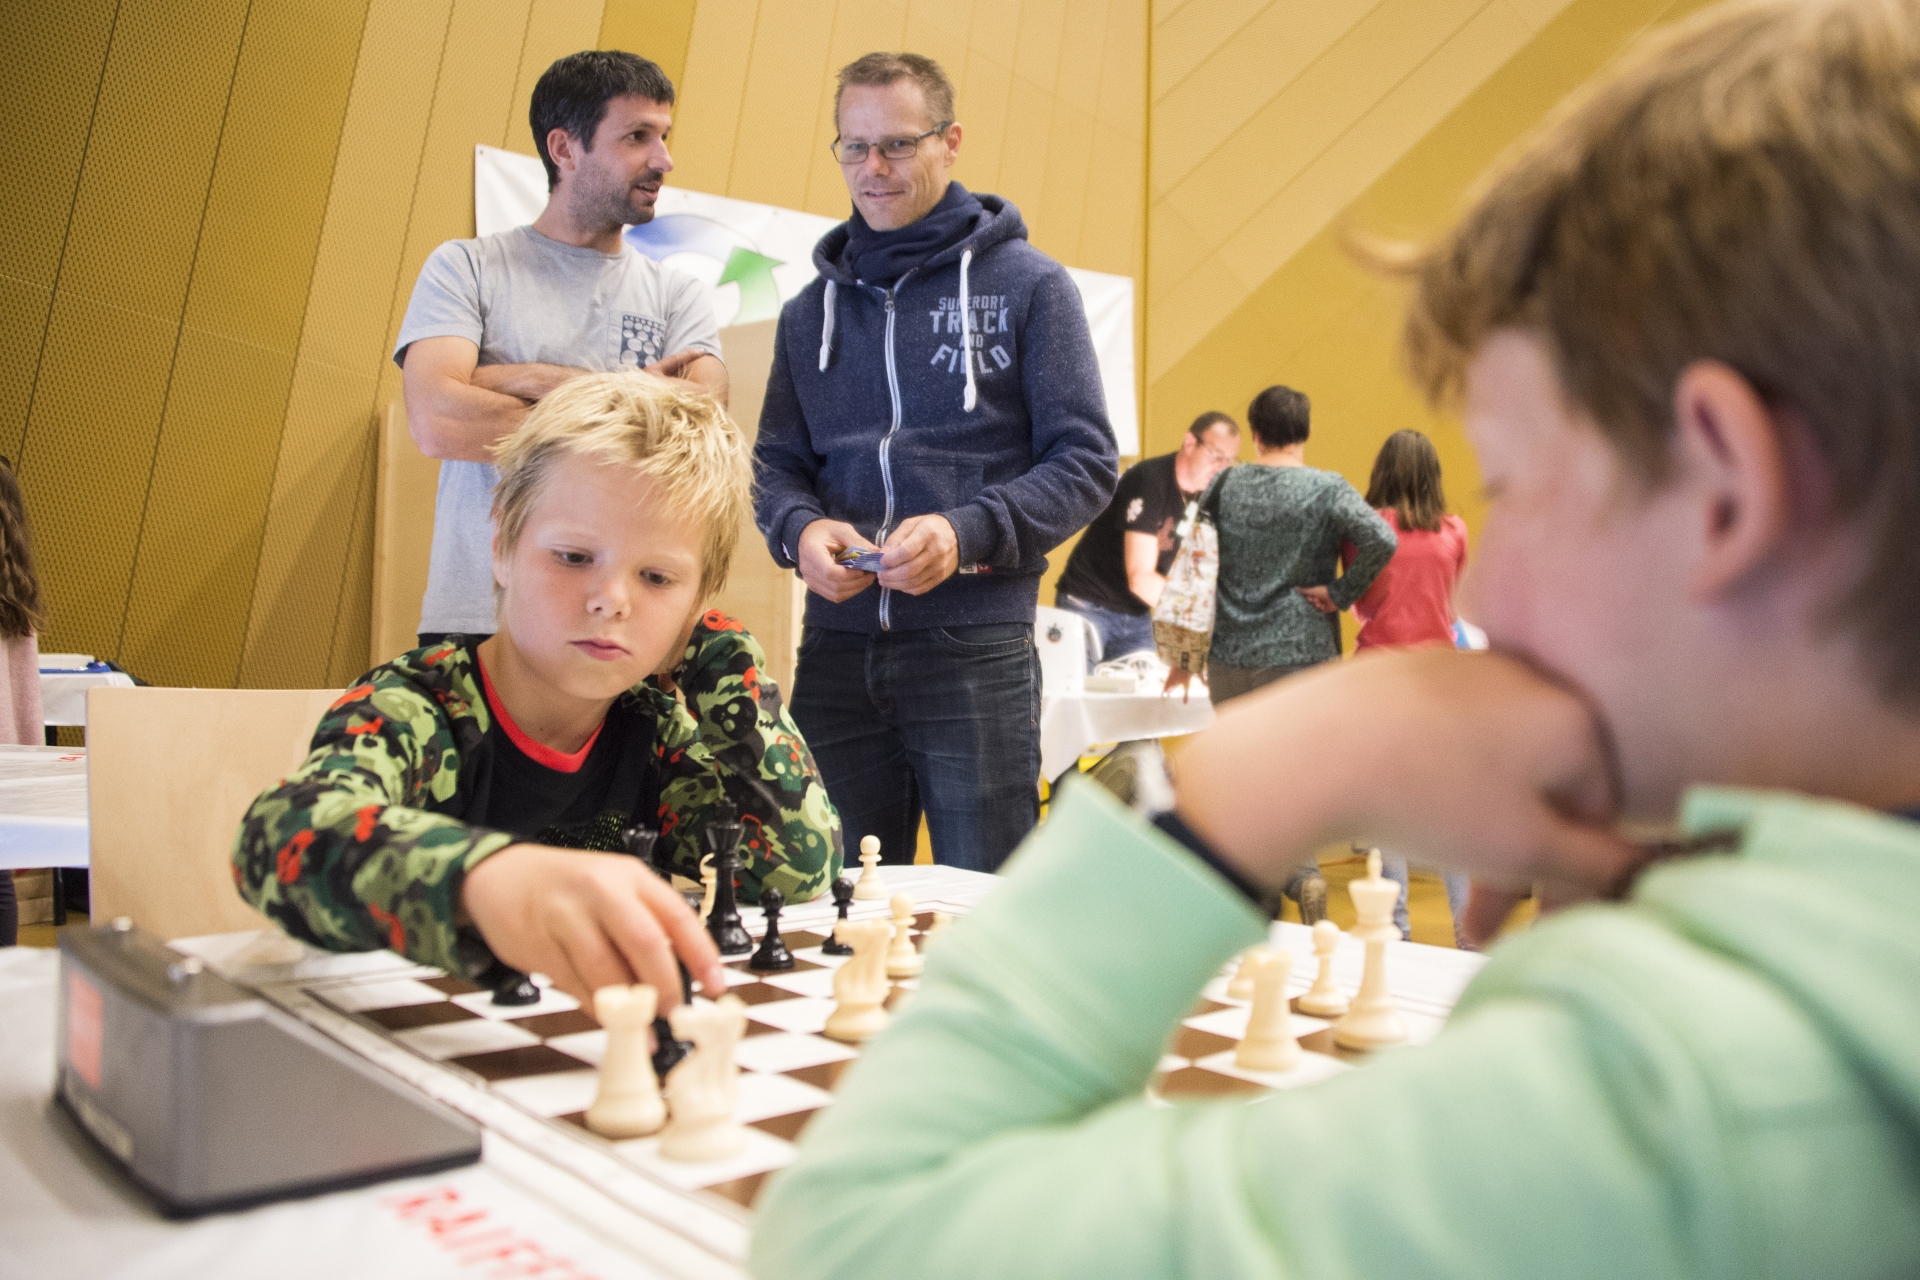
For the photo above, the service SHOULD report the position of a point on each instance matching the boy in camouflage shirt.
(448, 795)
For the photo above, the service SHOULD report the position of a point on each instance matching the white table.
(43, 807)
(1072, 722)
(64, 681)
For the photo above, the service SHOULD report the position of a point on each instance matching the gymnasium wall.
(216, 212)
(1279, 127)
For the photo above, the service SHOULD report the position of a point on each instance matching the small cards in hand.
(865, 559)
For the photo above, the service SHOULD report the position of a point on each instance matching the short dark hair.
(885, 68)
(573, 94)
(1204, 423)
(1279, 417)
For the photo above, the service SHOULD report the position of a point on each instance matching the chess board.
(529, 1073)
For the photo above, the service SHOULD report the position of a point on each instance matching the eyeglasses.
(891, 148)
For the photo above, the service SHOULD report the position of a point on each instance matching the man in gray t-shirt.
(496, 323)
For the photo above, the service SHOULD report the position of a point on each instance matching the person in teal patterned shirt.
(464, 804)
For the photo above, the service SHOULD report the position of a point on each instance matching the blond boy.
(463, 804)
(1683, 322)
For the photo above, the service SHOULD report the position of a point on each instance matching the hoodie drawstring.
(966, 332)
(826, 329)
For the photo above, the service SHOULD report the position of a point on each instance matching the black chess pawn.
(842, 898)
(641, 842)
(773, 956)
(514, 989)
(667, 1051)
(723, 922)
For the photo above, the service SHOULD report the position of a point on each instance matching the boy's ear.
(1733, 456)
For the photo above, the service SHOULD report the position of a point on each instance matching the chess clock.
(209, 1098)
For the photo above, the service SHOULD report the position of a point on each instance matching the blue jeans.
(1119, 633)
(946, 719)
(1393, 868)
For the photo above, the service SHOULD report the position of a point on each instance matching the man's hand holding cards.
(865, 559)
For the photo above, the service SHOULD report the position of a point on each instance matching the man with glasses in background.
(933, 426)
(1117, 569)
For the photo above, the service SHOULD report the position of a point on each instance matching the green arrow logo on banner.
(759, 295)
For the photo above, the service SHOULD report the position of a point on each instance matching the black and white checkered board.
(543, 1058)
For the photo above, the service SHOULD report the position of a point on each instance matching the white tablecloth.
(63, 694)
(1072, 722)
(43, 807)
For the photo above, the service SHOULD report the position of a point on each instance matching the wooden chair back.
(169, 774)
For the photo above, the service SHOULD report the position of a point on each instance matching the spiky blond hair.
(660, 427)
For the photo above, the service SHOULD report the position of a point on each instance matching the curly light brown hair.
(1745, 188)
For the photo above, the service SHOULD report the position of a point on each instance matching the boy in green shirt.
(465, 804)
(1681, 325)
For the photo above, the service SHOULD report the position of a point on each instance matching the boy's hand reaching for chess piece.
(589, 920)
(1474, 761)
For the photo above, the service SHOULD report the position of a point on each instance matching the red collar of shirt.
(538, 752)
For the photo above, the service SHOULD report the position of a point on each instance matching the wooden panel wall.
(215, 214)
(1380, 127)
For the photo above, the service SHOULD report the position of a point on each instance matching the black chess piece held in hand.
(842, 891)
(644, 844)
(773, 956)
(723, 922)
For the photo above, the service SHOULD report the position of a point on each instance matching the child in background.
(1680, 325)
(464, 804)
(1411, 603)
(21, 618)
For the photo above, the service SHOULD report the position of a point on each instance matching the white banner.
(756, 256)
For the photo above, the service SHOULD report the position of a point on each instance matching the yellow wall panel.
(86, 461)
(1311, 113)
(940, 32)
(1121, 104)
(268, 194)
(1083, 52)
(984, 104)
(1070, 181)
(656, 29)
(156, 129)
(347, 657)
(356, 273)
(303, 559)
(709, 100)
(787, 68)
(54, 55)
(1338, 175)
(1037, 47)
(301, 580)
(1186, 35)
(206, 504)
(23, 320)
(470, 98)
(555, 28)
(1110, 218)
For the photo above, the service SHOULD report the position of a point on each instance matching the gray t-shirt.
(525, 299)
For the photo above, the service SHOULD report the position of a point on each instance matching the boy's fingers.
(686, 935)
(643, 943)
(595, 964)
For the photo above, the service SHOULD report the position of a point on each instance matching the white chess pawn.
(705, 1087)
(1269, 1044)
(709, 884)
(1373, 1022)
(1323, 999)
(1240, 985)
(860, 986)
(902, 960)
(628, 1104)
(870, 886)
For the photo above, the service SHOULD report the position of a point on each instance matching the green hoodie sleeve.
(736, 739)
(999, 1128)
(344, 854)
(1372, 538)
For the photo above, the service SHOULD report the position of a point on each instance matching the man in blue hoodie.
(934, 399)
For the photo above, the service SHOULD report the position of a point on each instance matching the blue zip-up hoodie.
(872, 415)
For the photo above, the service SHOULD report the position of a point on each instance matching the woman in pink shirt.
(1411, 602)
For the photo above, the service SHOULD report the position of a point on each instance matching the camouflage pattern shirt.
(367, 844)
